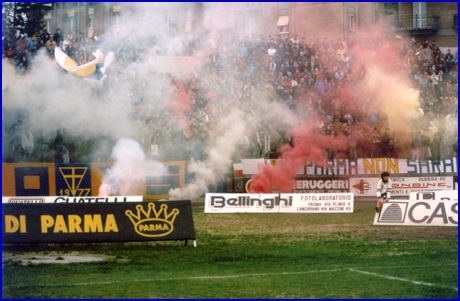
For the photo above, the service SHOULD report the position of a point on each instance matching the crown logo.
(153, 223)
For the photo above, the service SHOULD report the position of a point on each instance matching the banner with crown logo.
(97, 222)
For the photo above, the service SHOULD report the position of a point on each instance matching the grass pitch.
(256, 256)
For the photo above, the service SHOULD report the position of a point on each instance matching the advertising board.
(321, 185)
(418, 213)
(97, 222)
(362, 166)
(402, 186)
(279, 203)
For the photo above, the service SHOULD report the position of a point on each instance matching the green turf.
(256, 256)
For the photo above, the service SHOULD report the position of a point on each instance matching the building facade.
(429, 20)
(433, 20)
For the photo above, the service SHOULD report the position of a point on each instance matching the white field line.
(177, 278)
(219, 277)
(402, 279)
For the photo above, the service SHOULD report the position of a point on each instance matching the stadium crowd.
(308, 76)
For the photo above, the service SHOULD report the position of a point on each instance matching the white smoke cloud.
(56, 99)
(129, 171)
(214, 168)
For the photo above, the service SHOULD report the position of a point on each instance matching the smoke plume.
(127, 174)
(219, 160)
(383, 88)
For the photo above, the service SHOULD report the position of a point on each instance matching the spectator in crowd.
(352, 145)
(69, 46)
(57, 37)
(418, 77)
(332, 152)
(7, 43)
(12, 148)
(18, 53)
(387, 143)
(10, 53)
(51, 45)
(45, 36)
(31, 43)
(272, 50)
(81, 41)
(28, 145)
(21, 44)
(59, 146)
(417, 145)
(95, 38)
(20, 68)
(435, 83)
(376, 151)
(24, 61)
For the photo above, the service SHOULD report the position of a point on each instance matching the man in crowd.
(58, 36)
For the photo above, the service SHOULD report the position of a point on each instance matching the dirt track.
(26, 258)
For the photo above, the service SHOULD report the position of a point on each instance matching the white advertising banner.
(375, 166)
(363, 166)
(279, 203)
(402, 186)
(443, 195)
(418, 213)
(66, 199)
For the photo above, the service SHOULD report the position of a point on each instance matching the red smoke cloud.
(309, 145)
(181, 105)
(376, 82)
